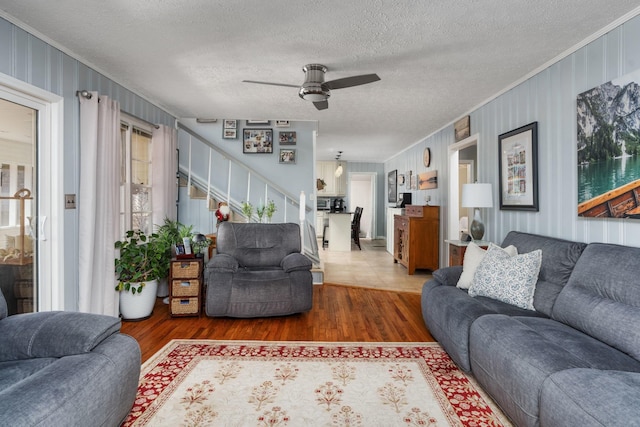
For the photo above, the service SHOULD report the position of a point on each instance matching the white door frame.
(453, 220)
(50, 203)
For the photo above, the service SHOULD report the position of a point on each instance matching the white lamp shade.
(477, 195)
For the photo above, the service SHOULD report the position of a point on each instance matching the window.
(135, 176)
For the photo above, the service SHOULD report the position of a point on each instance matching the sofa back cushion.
(3, 306)
(558, 260)
(258, 245)
(602, 297)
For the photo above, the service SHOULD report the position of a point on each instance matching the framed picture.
(257, 141)
(229, 133)
(282, 123)
(462, 128)
(258, 122)
(287, 155)
(518, 165)
(230, 124)
(392, 186)
(287, 138)
(428, 180)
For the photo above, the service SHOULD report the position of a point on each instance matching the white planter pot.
(139, 306)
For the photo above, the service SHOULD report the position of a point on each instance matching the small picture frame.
(287, 156)
(257, 141)
(287, 138)
(230, 124)
(258, 122)
(282, 123)
(462, 128)
(229, 133)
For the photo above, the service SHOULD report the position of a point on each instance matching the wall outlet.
(427, 199)
(69, 201)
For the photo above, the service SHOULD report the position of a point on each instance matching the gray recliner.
(258, 271)
(61, 368)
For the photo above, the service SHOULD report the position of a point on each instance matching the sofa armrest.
(53, 334)
(223, 263)
(448, 276)
(295, 262)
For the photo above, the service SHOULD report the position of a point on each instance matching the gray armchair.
(65, 369)
(258, 271)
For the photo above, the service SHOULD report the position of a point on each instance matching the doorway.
(362, 193)
(30, 140)
(462, 166)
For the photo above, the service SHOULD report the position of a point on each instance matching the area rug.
(253, 383)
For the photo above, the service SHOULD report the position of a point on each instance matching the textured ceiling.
(437, 59)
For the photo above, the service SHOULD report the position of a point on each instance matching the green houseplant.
(142, 259)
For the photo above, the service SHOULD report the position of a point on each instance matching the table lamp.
(477, 196)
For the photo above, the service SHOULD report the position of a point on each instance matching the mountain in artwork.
(608, 122)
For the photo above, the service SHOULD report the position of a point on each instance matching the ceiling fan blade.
(270, 83)
(351, 81)
(321, 105)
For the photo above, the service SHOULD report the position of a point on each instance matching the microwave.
(323, 204)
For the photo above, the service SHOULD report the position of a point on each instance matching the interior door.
(18, 208)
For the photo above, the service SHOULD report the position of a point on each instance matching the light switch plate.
(69, 201)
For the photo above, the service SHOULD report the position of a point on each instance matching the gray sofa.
(65, 369)
(575, 359)
(258, 271)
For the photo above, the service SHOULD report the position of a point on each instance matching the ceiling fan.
(316, 90)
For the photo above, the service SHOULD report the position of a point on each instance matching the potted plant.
(247, 210)
(271, 209)
(142, 261)
(168, 236)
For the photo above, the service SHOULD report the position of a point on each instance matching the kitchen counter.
(339, 231)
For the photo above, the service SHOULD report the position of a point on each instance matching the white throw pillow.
(472, 258)
(508, 279)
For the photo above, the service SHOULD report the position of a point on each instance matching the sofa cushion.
(510, 279)
(558, 260)
(473, 256)
(511, 357)
(448, 313)
(602, 297)
(590, 398)
(257, 245)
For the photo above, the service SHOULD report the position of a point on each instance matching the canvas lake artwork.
(608, 145)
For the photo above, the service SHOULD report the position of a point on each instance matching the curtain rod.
(86, 94)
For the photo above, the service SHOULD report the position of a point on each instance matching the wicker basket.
(184, 306)
(186, 287)
(185, 269)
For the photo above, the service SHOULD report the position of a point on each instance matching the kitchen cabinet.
(334, 186)
(320, 218)
(416, 238)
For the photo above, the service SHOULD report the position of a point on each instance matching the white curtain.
(98, 203)
(165, 165)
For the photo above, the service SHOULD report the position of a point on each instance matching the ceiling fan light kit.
(316, 90)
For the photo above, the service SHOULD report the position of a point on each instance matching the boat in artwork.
(621, 202)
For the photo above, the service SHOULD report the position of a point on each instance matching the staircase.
(207, 175)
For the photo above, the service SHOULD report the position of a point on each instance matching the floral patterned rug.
(253, 383)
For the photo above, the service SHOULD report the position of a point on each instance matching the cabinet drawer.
(414, 210)
(186, 287)
(185, 269)
(185, 306)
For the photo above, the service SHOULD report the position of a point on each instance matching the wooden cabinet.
(185, 287)
(416, 238)
(335, 186)
(457, 248)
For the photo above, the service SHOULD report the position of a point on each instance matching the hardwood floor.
(340, 312)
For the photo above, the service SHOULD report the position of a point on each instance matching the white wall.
(549, 98)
